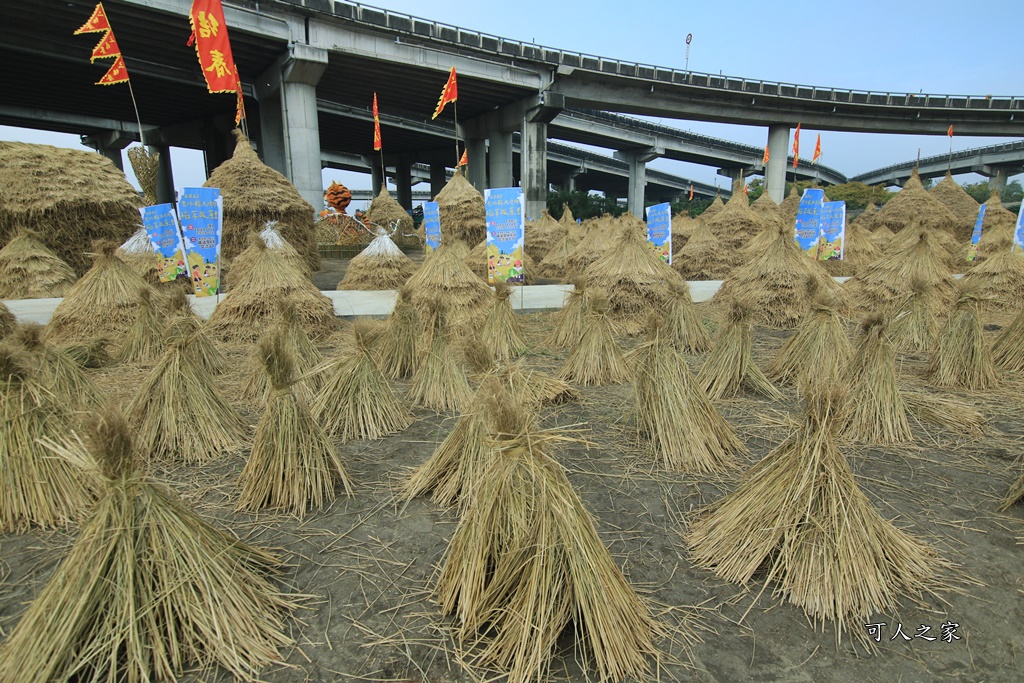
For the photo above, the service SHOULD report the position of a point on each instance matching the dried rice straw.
(729, 367)
(440, 382)
(596, 359)
(501, 332)
(963, 359)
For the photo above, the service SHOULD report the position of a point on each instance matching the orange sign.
(213, 48)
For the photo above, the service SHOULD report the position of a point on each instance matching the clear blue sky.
(936, 47)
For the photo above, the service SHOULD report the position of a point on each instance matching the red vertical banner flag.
(210, 33)
(764, 159)
(450, 93)
(107, 47)
(796, 146)
(691, 192)
(376, 125)
(950, 131)
(817, 150)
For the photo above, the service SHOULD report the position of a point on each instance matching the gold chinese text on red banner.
(210, 34)
(107, 47)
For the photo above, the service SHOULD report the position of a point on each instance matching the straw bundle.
(800, 512)
(440, 382)
(103, 304)
(253, 193)
(682, 429)
(526, 563)
(398, 350)
(178, 411)
(736, 224)
(384, 212)
(999, 281)
(533, 388)
(594, 244)
(962, 205)
(355, 400)
(886, 282)
(790, 206)
(775, 283)
(595, 359)
(7, 321)
(477, 260)
(684, 328)
(145, 340)
(29, 270)
(292, 466)
(501, 332)
(635, 279)
(882, 237)
(381, 265)
(56, 368)
(555, 265)
(146, 165)
(704, 256)
(948, 413)
(69, 197)
(1008, 348)
(716, 205)
(682, 227)
(770, 212)
(914, 207)
(877, 412)
(914, 325)
(569, 320)
(948, 249)
(729, 367)
(200, 348)
(148, 589)
(302, 352)
(963, 359)
(542, 235)
(997, 230)
(244, 313)
(819, 352)
(444, 277)
(35, 488)
(137, 251)
(462, 212)
(267, 238)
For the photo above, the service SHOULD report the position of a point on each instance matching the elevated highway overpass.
(998, 162)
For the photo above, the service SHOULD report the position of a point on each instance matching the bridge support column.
(775, 173)
(403, 183)
(272, 135)
(533, 167)
(998, 180)
(299, 76)
(637, 160)
(109, 144)
(476, 155)
(499, 160)
(164, 178)
(438, 178)
(738, 177)
(376, 179)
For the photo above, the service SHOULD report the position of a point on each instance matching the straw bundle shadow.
(914, 325)
(914, 207)
(704, 256)
(381, 265)
(736, 224)
(7, 321)
(439, 383)
(1008, 347)
(303, 354)
(398, 350)
(253, 194)
(526, 563)
(148, 589)
(179, 412)
(542, 235)
(799, 515)
(775, 283)
(555, 265)
(145, 339)
(56, 369)
(444, 277)
(962, 359)
(200, 349)
(729, 367)
(962, 205)
(35, 488)
(478, 260)
(501, 332)
(999, 281)
(355, 400)
(462, 212)
(683, 326)
(292, 466)
(69, 197)
(387, 213)
(103, 304)
(253, 302)
(818, 353)
(29, 270)
(682, 430)
(596, 358)
(888, 281)
(569, 320)
(877, 412)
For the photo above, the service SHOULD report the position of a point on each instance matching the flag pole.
(949, 159)
(135, 106)
(455, 113)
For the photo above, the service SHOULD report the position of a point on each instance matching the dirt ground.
(368, 564)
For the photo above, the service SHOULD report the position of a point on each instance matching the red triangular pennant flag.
(106, 48)
(464, 160)
(450, 93)
(950, 131)
(117, 73)
(796, 146)
(97, 22)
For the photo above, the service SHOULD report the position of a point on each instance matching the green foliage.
(694, 208)
(582, 204)
(757, 188)
(1012, 193)
(980, 191)
(858, 195)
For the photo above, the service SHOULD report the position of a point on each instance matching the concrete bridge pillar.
(476, 155)
(438, 178)
(998, 180)
(533, 167)
(737, 176)
(376, 179)
(778, 158)
(109, 144)
(637, 160)
(164, 177)
(403, 183)
(499, 159)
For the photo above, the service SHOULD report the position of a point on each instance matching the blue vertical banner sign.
(200, 211)
(659, 230)
(431, 226)
(505, 233)
(832, 242)
(808, 216)
(972, 251)
(162, 227)
(1018, 232)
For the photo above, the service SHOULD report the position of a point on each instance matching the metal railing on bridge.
(963, 154)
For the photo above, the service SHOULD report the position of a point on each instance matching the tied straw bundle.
(292, 465)
(145, 339)
(915, 321)
(148, 588)
(963, 359)
(819, 351)
(399, 345)
(57, 369)
(1008, 348)
(501, 332)
(570, 318)
(304, 354)
(683, 326)
(729, 367)
(440, 382)
(877, 412)
(29, 270)
(200, 348)
(596, 359)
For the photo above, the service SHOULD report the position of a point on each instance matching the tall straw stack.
(683, 431)
(555, 265)
(736, 224)
(596, 359)
(999, 281)
(765, 207)
(704, 256)
(818, 353)
(914, 207)
(716, 205)
(501, 332)
(35, 488)
(888, 281)
(292, 465)
(29, 270)
(790, 206)
(398, 350)
(1008, 348)
(729, 367)
(526, 564)
(101, 305)
(877, 412)
(253, 193)
(915, 321)
(267, 237)
(595, 242)
(998, 228)
(683, 327)
(963, 359)
(440, 382)
(355, 400)
(462, 212)
(542, 235)
(800, 512)
(384, 212)
(148, 589)
(381, 265)
(445, 278)
(682, 227)
(68, 197)
(960, 204)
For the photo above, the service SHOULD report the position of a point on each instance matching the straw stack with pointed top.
(595, 242)
(882, 237)
(1008, 348)
(257, 241)
(137, 251)
(682, 430)
(999, 281)
(962, 359)
(385, 212)
(462, 211)
(682, 227)
(819, 352)
(704, 256)
(302, 352)
(683, 327)
(569, 320)
(381, 265)
(877, 412)
(800, 512)
(729, 368)
(355, 400)
(29, 270)
(444, 277)
(887, 282)
(914, 207)
(526, 564)
(555, 265)
(962, 205)
(179, 413)
(201, 349)
(596, 358)
(103, 304)
(542, 235)
(998, 228)
(292, 466)
(149, 588)
(736, 224)
(440, 382)
(55, 367)
(35, 488)
(765, 207)
(789, 206)
(501, 332)
(914, 325)
(7, 321)
(398, 350)
(716, 205)
(145, 340)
